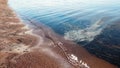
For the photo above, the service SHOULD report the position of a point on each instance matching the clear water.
(77, 20)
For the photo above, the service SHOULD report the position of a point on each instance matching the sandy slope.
(32, 45)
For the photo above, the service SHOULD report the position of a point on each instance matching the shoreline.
(70, 47)
(37, 46)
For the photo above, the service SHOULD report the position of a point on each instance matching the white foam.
(73, 57)
(86, 34)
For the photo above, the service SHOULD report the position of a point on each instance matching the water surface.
(77, 20)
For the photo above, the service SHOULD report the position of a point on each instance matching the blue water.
(77, 20)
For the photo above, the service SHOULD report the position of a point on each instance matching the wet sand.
(32, 45)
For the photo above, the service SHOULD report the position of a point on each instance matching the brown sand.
(37, 46)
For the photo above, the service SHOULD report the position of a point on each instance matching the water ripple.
(74, 17)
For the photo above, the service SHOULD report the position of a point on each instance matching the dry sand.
(31, 45)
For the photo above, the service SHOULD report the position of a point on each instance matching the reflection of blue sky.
(70, 17)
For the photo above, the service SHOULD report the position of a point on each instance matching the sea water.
(76, 20)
